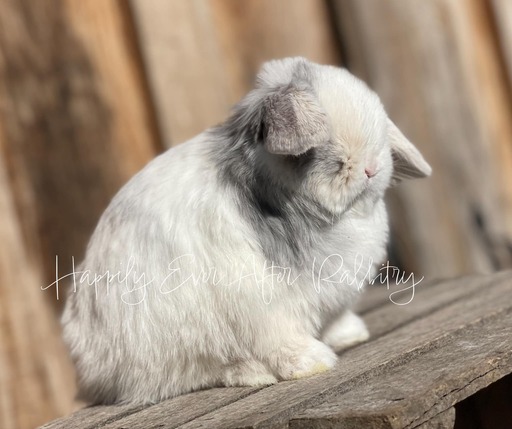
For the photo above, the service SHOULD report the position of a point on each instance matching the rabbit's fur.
(176, 292)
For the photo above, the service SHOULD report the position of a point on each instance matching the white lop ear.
(408, 163)
(293, 121)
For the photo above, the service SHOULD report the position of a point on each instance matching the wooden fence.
(90, 90)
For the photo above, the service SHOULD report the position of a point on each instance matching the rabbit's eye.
(341, 165)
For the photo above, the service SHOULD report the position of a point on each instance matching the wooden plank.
(256, 31)
(501, 11)
(418, 303)
(36, 376)
(371, 298)
(199, 66)
(92, 417)
(275, 404)
(381, 293)
(430, 61)
(173, 411)
(74, 119)
(490, 94)
(411, 394)
(184, 65)
(178, 411)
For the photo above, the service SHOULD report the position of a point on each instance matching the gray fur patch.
(287, 223)
(293, 121)
(282, 124)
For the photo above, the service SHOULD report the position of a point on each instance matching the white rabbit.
(234, 258)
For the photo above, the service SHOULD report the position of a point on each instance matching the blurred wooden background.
(90, 90)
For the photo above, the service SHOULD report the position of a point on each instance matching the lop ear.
(408, 163)
(293, 121)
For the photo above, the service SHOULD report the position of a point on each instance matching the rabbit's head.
(322, 133)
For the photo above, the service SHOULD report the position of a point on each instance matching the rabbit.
(234, 259)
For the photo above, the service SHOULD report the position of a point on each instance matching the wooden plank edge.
(431, 395)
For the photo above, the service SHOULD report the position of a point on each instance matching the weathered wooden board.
(437, 70)
(93, 417)
(430, 384)
(202, 55)
(409, 304)
(174, 411)
(489, 91)
(442, 322)
(36, 377)
(184, 66)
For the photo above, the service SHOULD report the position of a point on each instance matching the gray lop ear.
(408, 163)
(293, 121)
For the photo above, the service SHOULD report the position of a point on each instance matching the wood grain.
(444, 420)
(178, 411)
(412, 303)
(173, 411)
(92, 417)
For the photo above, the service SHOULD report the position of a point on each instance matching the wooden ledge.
(452, 340)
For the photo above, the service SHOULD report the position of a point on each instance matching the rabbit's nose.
(370, 172)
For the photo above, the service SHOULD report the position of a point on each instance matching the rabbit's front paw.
(248, 373)
(298, 362)
(346, 331)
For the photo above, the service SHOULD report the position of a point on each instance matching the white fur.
(346, 331)
(144, 343)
